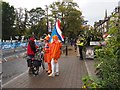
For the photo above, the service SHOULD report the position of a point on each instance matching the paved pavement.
(71, 72)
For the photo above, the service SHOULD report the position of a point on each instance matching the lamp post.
(56, 14)
(11, 39)
(119, 10)
(47, 17)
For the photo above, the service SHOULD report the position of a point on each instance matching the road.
(13, 64)
(0, 74)
(9, 52)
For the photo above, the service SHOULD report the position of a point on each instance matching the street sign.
(89, 52)
(94, 43)
(67, 0)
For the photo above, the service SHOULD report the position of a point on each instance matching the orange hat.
(47, 38)
(55, 37)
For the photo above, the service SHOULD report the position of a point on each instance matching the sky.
(92, 10)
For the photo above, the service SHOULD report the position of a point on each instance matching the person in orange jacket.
(55, 50)
(47, 53)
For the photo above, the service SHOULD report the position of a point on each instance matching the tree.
(27, 22)
(0, 20)
(21, 21)
(71, 17)
(35, 15)
(8, 17)
(37, 21)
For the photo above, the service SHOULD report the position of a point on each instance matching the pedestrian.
(80, 45)
(46, 50)
(31, 50)
(77, 46)
(55, 50)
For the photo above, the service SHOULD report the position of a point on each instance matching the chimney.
(105, 15)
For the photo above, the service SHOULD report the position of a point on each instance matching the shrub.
(109, 55)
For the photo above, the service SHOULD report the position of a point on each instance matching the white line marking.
(11, 56)
(14, 78)
(87, 69)
(5, 59)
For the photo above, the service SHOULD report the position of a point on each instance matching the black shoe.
(46, 70)
(81, 58)
(30, 71)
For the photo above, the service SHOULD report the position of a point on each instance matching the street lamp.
(119, 8)
(47, 16)
(11, 39)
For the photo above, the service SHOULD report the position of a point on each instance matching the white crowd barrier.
(8, 45)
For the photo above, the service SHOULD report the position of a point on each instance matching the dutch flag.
(57, 31)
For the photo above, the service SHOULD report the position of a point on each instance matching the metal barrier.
(65, 49)
(8, 45)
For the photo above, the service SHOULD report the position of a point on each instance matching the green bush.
(97, 47)
(109, 55)
(91, 83)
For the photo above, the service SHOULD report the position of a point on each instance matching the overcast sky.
(93, 10)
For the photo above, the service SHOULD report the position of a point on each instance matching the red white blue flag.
(57, 31)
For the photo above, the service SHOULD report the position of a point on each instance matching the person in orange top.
(46, 49)
(55, 50)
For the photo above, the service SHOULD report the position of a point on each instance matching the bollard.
(66, 50)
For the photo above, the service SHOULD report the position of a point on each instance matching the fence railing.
(9, 45)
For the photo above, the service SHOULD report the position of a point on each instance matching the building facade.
(103, 26)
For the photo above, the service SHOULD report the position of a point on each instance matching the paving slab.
(72, 70)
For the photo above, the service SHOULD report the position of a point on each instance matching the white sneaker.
(57, 74)
(51, 75)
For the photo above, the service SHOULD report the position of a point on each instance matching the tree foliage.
(37, 21)
(21, 21)
(28, 22)
(0, 20)
(35, 15)
(70, 16)
(8, 17)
